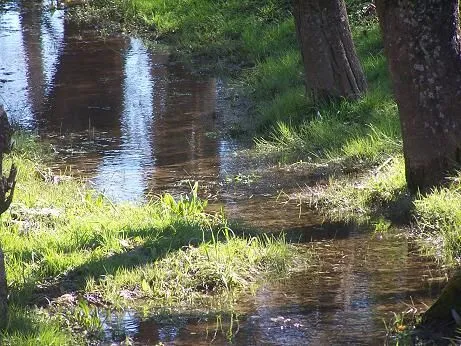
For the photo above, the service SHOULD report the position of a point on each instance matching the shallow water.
(361, 282)
(138, 123)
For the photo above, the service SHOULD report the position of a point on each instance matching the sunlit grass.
(188, 276)
(367, 197)
(438, 217)
(366, 129)
(60, 237)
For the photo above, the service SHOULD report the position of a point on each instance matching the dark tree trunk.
(3, 293)
(6, 196)
(447, 308)
(423, 51)
(332, 68)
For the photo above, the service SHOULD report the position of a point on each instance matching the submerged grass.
(65, 243)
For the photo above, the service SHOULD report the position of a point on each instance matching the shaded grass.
(218, 29)
(28, 327)
(66, 240)
(381, 194)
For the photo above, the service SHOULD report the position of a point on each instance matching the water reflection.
(31, 41)
(13, 67)
(185, 147)
(125, 167)
(87, 92)
(133, 121)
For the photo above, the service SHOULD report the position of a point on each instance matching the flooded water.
(137, 123)
(361, 282)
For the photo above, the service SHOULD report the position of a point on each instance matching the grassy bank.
(69, 249)
(381, 198)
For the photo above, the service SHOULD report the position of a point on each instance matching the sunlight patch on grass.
(367, 197)
(438, 216)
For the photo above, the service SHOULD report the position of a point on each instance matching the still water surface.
(138, 123)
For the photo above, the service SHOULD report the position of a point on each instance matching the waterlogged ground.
(344, 301)
(137, 123)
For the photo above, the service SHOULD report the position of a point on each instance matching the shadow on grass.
(156, 245)
(399, 211)
(25, 329)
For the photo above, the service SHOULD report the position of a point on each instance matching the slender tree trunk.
(332, 68)
(7, 185)
(3, 293)
(422, 45)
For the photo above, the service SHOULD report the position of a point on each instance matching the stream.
(137, 123)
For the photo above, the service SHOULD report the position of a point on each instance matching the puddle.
(137, 123)
(361, 281)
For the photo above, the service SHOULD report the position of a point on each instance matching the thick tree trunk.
(332, 68)
(423, 50)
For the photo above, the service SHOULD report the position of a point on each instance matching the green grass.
(367, 129)
(438, 217)
(369, 197)
(64, 238)
(28, 327)
(185, 277)
(213, 28)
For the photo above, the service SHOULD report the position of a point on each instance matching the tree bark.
(3, 293)
(447, 307)
(422, 45)
(332, 68)
(7, 185)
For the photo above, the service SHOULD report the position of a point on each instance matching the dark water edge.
(137, 123)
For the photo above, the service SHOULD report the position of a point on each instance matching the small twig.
(384, 164)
